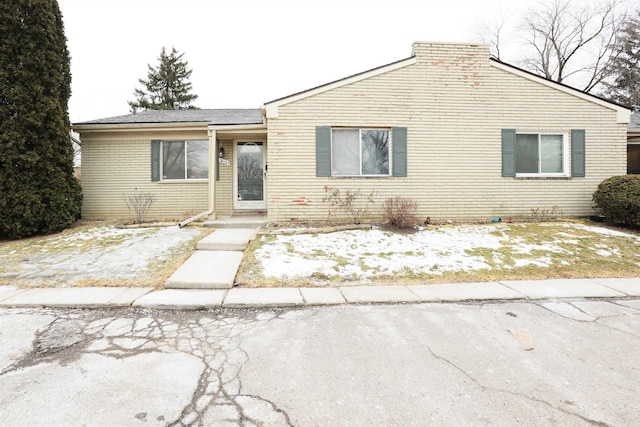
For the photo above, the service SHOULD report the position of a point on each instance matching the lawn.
(98, 254)
(467, 253)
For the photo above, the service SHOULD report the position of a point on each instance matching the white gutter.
(213, 171)
(99, 127)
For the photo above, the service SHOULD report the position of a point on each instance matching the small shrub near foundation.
(138, 204)
(353, 203)
(400, 212)
(545, 215)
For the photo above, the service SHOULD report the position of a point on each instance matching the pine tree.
(625, 87)
(167, 86)
(38, 193)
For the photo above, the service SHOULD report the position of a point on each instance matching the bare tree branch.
(492, 33)
(568, 41)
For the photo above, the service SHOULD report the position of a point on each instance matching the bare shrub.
(545, 215)
(400, 212)
(138, 204)
(353, 203)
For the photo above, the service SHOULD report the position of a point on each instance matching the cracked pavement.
(566, 362)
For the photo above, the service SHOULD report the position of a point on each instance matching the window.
(185, 160)
(541, 154)
(633, 159)
(359, 152)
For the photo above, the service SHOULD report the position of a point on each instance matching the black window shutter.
(508, 152)
(578, 153)
(323, 150)
(399, 141)
(155, 160)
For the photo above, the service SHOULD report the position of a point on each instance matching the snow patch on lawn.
(116, 254)
(368, 253)
(600, 230)
(364, 254)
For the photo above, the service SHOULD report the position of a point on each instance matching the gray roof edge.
(559, 84)
(380, 67)
(227, 116)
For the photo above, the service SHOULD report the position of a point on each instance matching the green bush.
(618, 199)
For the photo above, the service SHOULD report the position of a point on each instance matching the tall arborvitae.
(38, 192)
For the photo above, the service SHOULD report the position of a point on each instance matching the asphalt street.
(549, 362)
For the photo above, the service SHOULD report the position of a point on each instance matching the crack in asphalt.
(213, 338)
(596, 319)
(484, 387)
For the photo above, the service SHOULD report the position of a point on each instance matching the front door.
(249, 176)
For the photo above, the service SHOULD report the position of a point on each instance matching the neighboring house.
(76, 144)
(633, 145)
(463, 135)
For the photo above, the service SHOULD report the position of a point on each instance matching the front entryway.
(249, 176)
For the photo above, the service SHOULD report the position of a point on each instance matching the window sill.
(359, 176)
(527, 176)
(183, 181)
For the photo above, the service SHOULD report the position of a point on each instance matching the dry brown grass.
(577, 260)
(12, 253)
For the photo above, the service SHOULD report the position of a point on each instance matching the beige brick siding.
(454, 104)
(224, 187)
(113, 167)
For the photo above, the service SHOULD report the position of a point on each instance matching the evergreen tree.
(625, 87)
(38, 193)
(167, 86)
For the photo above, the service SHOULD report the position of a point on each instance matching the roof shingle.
(237, 116)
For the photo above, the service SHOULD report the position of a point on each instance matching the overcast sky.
(244, 53)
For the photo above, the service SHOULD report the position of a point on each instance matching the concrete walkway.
(218, 256)
(198, 299)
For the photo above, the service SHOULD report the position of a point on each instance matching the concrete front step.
(246, 221)
(227, 239)
(207, 270)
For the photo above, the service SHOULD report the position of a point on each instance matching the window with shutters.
(359, 152)
(541, 154)
(185, 160)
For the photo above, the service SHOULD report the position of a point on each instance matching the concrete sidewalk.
(201, 299)
(217, 259)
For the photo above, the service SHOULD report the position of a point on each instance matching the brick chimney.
(451, 53)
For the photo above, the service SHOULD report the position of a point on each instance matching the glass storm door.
(249, 176)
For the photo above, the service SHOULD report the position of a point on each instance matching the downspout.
(213, 172)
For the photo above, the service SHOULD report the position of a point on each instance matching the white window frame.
(186, 162)
(565, 156)
(360, 130)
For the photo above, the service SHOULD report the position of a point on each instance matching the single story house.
(463, 135)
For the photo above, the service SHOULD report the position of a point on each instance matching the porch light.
(221, 152)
